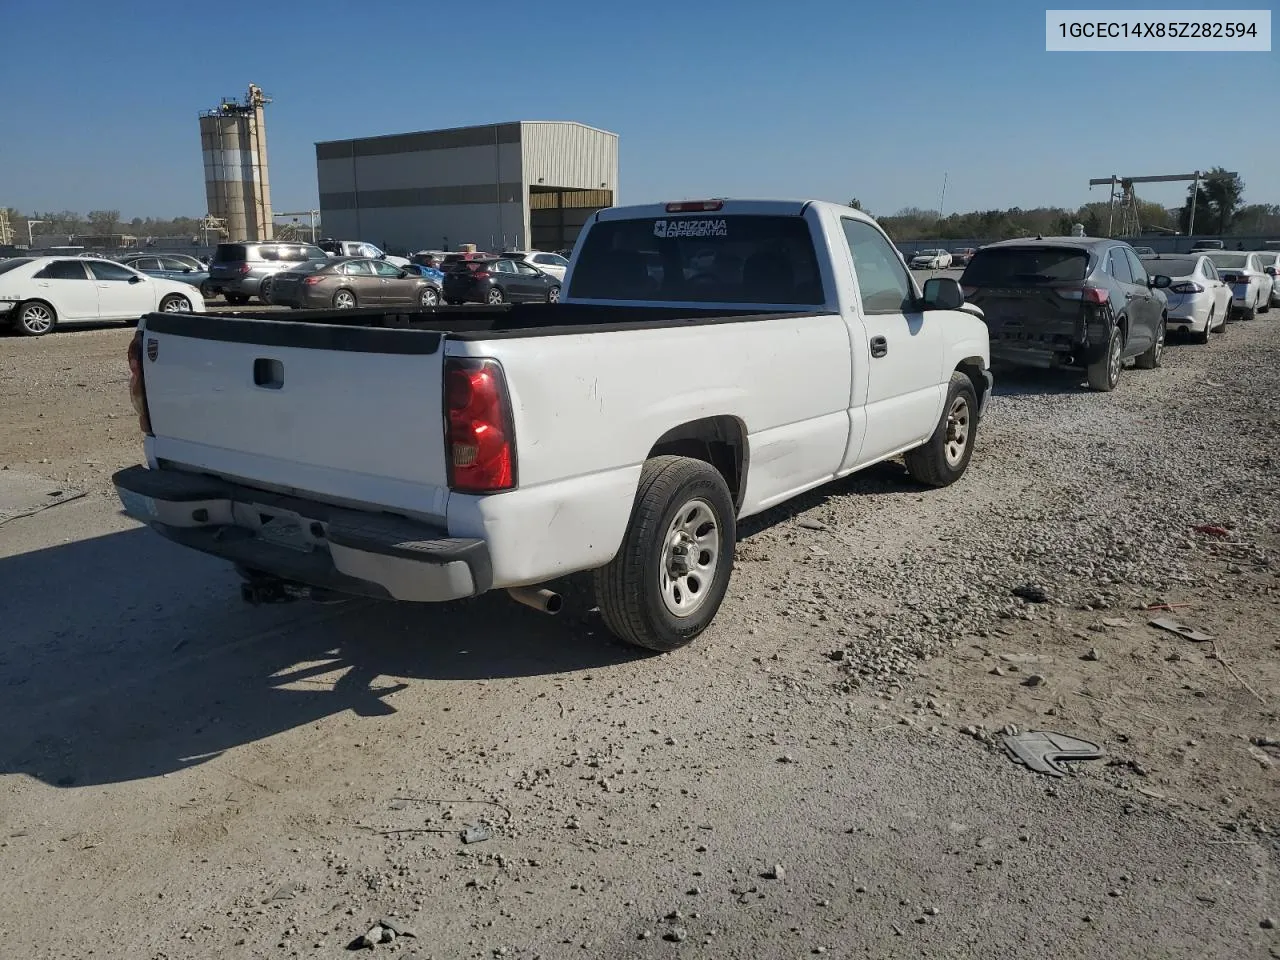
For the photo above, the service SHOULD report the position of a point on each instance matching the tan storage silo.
(233, 143)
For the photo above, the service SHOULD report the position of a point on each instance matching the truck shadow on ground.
(127, 657)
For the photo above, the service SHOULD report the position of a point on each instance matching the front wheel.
(553, 295)
(1150, 358)
(175, 303)
(1104, 373)
(944, 457)
(670, 576)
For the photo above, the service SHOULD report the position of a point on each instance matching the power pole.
(1195, 195)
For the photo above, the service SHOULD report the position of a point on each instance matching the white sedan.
(39, 293)
(1198, 301)
(551, 263)
(931, 260)
(1250, 285)
(1270, 263)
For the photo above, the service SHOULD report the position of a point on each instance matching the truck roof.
(729, 207)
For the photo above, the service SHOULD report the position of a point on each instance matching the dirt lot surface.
(184, 776)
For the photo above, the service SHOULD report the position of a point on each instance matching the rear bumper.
(247, 286)
(349, 551)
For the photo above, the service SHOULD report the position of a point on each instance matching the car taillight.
(480, 274)
(137, 384)
(478, 427)
(309, 281)
(1186, 287)
(245, 268)
(1085, 294)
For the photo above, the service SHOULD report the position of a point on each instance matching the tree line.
(98, 223)
(1219, 206)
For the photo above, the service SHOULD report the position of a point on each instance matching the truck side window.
(883, 282)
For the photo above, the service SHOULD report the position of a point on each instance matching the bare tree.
(104, 222)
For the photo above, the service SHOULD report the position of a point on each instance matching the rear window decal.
(698, 227)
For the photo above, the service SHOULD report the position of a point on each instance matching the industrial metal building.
(528, 184)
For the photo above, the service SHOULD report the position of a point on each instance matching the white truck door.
(905, 385)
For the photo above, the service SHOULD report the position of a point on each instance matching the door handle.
(879, 346)
(1131, 296)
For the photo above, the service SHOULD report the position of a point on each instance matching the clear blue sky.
(710, 97)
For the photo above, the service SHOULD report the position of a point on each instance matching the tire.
(639, 599)
(429, 297)
(237, 299)
(944, 457)
(553, 295)
(1150, 358)
(35, 318)
(1250, 312)
(344, 299)
(494, 296)
(1264, 304)
(1226, 318)
(175, 303)
(1104, 373)
(1208, 329)
(206, 291)
(264, 290)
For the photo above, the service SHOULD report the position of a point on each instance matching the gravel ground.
(189, 777)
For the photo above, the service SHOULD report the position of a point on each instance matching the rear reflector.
(478, 427)
(695, 206)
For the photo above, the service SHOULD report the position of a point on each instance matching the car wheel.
(670, 576)
(344, 300)
(264, 290)
(1150, 358)
(429, 297)
(207, 291)
(1208, 328)
(495, 296)
(175, 303)
(1222, 324)
(1104, 373)
(36, 318)
(944, 457)
(1264, 304)
(553, 295)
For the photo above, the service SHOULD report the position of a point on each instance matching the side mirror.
(942, 293)
(1160, 281)
(404, 274)
(186, 269)
(1270, 271)
(135, 279)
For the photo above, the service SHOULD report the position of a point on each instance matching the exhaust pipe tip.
(540, 599)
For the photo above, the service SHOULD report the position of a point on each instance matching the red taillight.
(137, 385)
(1186, 287)
(695, 206)
(310, 281)
(245, 268)
(1086, 294)
(480, 274)
(478, 426)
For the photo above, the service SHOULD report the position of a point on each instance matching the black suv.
(1069, 302)
(243, 270)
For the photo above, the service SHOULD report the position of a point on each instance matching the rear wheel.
(344, 300)
(36, 318)
(670, 576)
(495, 296)
(1104, 373)
(1150, 358)
(945, 456)
(1248, 313)
(429, 297)
(206, 291)
(1208, 329)
(1264, 304)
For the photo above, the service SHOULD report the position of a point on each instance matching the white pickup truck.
(710, 360)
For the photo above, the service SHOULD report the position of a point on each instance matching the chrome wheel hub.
(957, 439)
(690, 558)
(36, 318)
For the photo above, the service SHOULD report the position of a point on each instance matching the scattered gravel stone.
(1035, 680)
(1091, 654)
(776, 873)
(677, 935)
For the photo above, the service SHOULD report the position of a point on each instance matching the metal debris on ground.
(477, 833)
(1031, 593)
(1181, 629)
(1038, 749)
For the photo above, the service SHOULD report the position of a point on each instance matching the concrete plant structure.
(527, 184)
(233, 138)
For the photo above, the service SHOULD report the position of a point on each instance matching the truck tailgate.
(340, 411)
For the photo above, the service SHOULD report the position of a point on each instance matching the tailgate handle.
(268, 373)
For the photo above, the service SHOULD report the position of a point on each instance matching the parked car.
(1069, 302)
(1269, 260)
(499, 281)
(1144, 251)
(961, 256)
(551, 263)
(433, 274)
(1251, 287)
(173, 268)
(626, 432)
(1203, 245)
(347, 283)
(1198, 302)
(359, 248)
(243, 270)
(195, 263)
(931, 260)
(451, 260)
(38, 294)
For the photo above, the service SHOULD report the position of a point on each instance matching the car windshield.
(1233, 261)
(7, 265)
(700, 259)
(1019, 266)
(928, 253)
(1170, 268)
